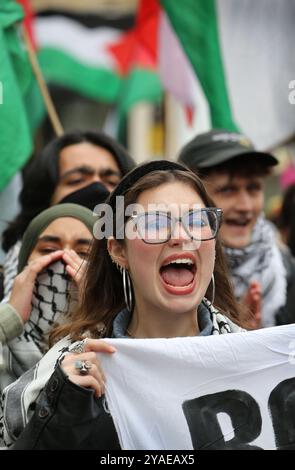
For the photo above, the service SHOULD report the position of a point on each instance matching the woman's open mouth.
(178, 274)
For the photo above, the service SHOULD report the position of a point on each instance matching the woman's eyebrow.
(83, 241)
(49, 238)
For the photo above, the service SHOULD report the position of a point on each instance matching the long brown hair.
(103, 295)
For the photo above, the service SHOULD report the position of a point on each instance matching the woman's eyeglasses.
(158, 227)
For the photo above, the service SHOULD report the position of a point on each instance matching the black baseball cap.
(218, 146)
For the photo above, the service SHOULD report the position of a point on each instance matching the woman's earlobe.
(118, 266)
(117, 253)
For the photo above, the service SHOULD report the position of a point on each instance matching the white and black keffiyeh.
(49, 303)
(52, 299)
(260, 261)
(220, 323)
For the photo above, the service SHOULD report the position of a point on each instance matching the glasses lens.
(202, 224)
(154, 227)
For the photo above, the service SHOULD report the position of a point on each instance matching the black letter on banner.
(282, 408)
(201, 415)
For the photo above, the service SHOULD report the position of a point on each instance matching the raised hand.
(253, 300)
(22, 290)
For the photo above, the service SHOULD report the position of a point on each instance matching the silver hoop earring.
(213, 289)
(127, 287)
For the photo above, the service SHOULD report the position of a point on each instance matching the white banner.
(234, 391)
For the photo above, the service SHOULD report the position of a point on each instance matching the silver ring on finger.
(79, 347)
(83, 367)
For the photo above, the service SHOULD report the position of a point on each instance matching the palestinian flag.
(75, 50)
(243, 56)
(123, 58)
(120, 58)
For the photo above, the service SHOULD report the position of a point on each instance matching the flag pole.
(173, 119)
(54, 119)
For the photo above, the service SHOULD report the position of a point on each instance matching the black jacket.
(54, 425)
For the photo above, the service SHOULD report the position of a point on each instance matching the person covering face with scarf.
(51, 256)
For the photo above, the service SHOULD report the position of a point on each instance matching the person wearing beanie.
(262, 272)
(50, 268)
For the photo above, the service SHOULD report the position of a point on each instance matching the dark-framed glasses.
(158, 227)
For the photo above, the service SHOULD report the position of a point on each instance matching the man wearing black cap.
(234, 172)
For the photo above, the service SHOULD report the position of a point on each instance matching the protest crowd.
(144, 295)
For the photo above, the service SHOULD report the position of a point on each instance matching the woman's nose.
(179, 234)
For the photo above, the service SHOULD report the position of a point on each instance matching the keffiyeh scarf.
(221, 324)
(260, 261)
(53, 298)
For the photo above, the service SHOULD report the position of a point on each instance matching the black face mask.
(89, 196)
